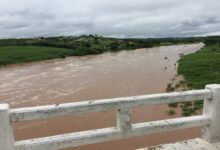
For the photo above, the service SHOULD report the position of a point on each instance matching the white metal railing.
(210, 120)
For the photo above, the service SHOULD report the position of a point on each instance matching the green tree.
(114, 45)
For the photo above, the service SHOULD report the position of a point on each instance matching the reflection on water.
(119, 74)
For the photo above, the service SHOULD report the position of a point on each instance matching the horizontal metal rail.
(108, 134)
(42, 112)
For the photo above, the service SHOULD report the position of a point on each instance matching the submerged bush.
(171, 112)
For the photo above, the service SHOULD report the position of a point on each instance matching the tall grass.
(202, 67)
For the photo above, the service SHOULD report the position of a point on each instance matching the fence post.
(6, 132)
(211, 132)
(124, 120)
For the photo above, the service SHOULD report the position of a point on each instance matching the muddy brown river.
(118, 74)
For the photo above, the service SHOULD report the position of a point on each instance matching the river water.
(108, 75)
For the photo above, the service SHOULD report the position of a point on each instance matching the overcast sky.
(114, 18)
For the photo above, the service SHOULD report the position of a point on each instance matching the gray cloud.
(124, 18)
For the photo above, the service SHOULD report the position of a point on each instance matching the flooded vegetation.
(82, 78)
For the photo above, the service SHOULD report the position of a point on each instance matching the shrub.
(171, 112)
(173, 104)
(187, 104)
(170, 88)
(114, 46)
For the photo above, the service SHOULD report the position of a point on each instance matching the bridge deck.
(194, 144)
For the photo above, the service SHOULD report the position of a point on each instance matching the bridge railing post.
(6, 131)
(124, 120)
(211, 132)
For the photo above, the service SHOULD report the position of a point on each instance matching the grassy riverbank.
(202, 67)
(21, 54)
(14, 51)
(199, 69)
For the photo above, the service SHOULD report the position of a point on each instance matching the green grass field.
(198, 69)
(21, 54)
(202, 67)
